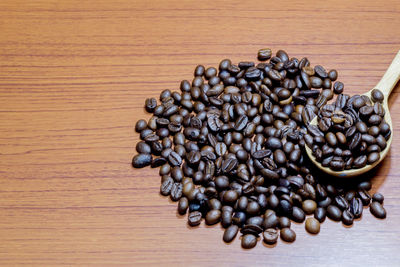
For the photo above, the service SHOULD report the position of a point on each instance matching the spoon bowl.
(385, 85)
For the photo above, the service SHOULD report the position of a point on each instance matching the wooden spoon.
(386, 85)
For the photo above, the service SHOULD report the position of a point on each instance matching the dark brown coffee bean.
(213, 217)
(320, 214)
(377, 96)
(347, 217)
(249, 241)
(264, 54)
(338, 87)
(174, 159)
(270, 236)
(373, 157)
(378, 197)
(141, 160)
(356, 207)
(334, 213)
(143, 148)
(270, 221)
(194, 218)
(176, 191)
(364, 196)
(183, 205)
(298, 215)
(230, 233)
(377, 210)
(288, 235)
(341, 202)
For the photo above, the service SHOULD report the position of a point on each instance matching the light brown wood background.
(73, 79)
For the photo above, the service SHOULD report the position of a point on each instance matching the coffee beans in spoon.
(351, 132)
(230, 146)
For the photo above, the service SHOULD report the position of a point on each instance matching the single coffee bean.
(334, 213)
(364, 196)
(270, 236)
(213, 217)
(176, 191)
(377, 96)
(230, 233)
(320, 214)
(347, 217)
(332, 74)
(141, 160)
(341, 203)
(264, 54)
(183, 205)
(249, 241)
(312, 226)
(194, 218)
(309, 206)
(338, 87)
(298, 215)
(377, 210)
(356, 207)
(288, 235)
(284, 222)
(378, 197)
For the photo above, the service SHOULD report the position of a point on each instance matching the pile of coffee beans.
(350, 133)
(231, 148)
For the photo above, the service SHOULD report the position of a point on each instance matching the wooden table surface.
(73, 79)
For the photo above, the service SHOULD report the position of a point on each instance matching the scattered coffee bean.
(312, 226)
(270, 235)
(249, 241)
(288, 235)
(230, 233)
(377, 210)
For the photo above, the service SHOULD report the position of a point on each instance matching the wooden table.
(73, 79)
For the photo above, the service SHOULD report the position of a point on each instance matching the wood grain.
(73, 79)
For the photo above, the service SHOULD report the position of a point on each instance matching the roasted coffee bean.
(309, 206)
(270, 221)
(194, 218)
(312, 226)
(378, 197)
(364, 196)
(288, 235)
(341, 203)
(183, 205)
(347, 217)
(230, 233)
(356, 207)
(270, 236)
(249, 241)
(377, 210)
(141, 160)
(298, 215)
(264, 54)
(143, 148)
(213, 217)
(320, 214)
(176, 191)
(377, 96)
(174, 159)
(284, 222)
(334, 213)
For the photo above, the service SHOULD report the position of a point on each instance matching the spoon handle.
(391, 77)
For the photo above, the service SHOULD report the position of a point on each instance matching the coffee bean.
(174, 159)
(356, 207)
(143, 147)
(377, 210)
(320, 214)
(378, 197)
(213, 217)
(347, 217)
(341, 203)
(230, 233)
(334, 213)
(249, 241)
(270, 236)
(332, 74)
(309, 206)
(176, 191)
(312, 226)
(338, 87)
(194, 218)
(377, 96)
(298, 215)
(284, 222)
(364, 196)
(288, 235)
(183, 205)
(141, 160)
